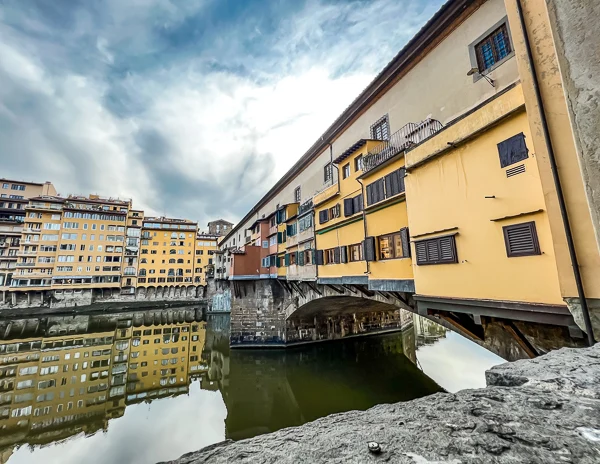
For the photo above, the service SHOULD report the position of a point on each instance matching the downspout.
(557, 184)
(362, 188)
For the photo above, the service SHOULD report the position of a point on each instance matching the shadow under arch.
(329, 306)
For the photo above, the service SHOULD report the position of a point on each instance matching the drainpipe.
(362, 188)
(559, 191)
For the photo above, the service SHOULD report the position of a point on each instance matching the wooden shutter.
(344, 254)
(439, 250)
(513, 150)
(323, 216)
(357, 203)
(369, 249)
(278, 261)
(319, 257)
(348, 207)
(300, 258)
(521, 240)
(279, 237)
(392, 184)
(287, 259)
(401, 176)
(370, 194)
(336, 255)
(272, 260)
(380, 186)
(405, 239)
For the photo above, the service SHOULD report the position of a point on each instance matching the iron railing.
(409, 135)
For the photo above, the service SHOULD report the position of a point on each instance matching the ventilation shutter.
(447, 253)
(369, 249)
(404, 237)
(380, 190)
(521, 240)
(344, 254)
(433, 251)
(336, 255)
(421, 251)
(278, 261)
(357, 203)
(301, 258)
(287, 259)
(348, 207)
(370, 193)
(279, 237)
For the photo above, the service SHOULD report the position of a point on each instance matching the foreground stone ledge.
(545, 410)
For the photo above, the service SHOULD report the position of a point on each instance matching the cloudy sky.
(193, 108)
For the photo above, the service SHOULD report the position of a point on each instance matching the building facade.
(454, 177)
(219, 227)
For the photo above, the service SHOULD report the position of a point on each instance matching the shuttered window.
(357, 203)
(369, 249)
(394, 246)
(334, 211)
(323, 216)
(355, 252)
(375, 192)
(319, 257)
(337, 255)
(348, 207)
(521, 240)
(344, 254)
(513, 150)
(327, 173)
(394, 183)
(439, 250)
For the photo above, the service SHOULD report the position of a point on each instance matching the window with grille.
(493, 48)
(521, 240)
(439, 250)
(327, 172)
(381, 129)
(297, 195)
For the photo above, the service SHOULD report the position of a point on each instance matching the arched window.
(142, 272)
(182, 235)
(172, 261)
(172, 252)
(180, 261)
(171, 272)
(144, 261)
(180, 272)
(174, 235)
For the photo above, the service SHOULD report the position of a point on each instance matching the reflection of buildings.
(71, 375)
(427, 331)
(268, 390)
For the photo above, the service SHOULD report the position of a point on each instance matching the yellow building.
(204, 259)
(167, 252)
(163, 357)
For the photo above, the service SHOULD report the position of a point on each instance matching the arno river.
(142, 388)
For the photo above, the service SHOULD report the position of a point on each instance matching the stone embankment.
(545, 410)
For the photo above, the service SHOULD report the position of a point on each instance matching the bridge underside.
(279, 313)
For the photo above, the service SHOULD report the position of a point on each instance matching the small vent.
(521, 240)
(516, 170)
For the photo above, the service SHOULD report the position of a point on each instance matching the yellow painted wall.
(347, 235)
(557, 114)
(203, 258)
(449, 191)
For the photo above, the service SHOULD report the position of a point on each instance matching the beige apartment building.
(167, 252)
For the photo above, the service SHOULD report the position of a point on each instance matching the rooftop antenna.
(474, 71)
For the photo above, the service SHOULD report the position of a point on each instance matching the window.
(323, 216)
(394, 183)
(332, 256)
(521, 240)
(394, 245)
(327, 172)
(334, 211)
(346, 171)
(297, 194)
(439, 250)
(353, 205)
(493, 48)
(375, 192)
(355, 252)
(381, 129)
(358, 163)
(305, 222)
(512, 150)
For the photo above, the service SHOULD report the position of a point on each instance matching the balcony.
(25, 264)
(325, 194)
(408, 136)
(26, 253)
(31, 230)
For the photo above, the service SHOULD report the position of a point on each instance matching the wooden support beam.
(514, 331)
(334, 288)
(315, 288)
(459, 326)
(349, 288)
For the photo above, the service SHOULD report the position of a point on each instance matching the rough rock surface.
(545, 410)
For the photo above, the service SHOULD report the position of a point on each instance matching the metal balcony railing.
(304, 207)
(409, 135)
(25, 264)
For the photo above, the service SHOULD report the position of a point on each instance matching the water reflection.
(144, 387)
